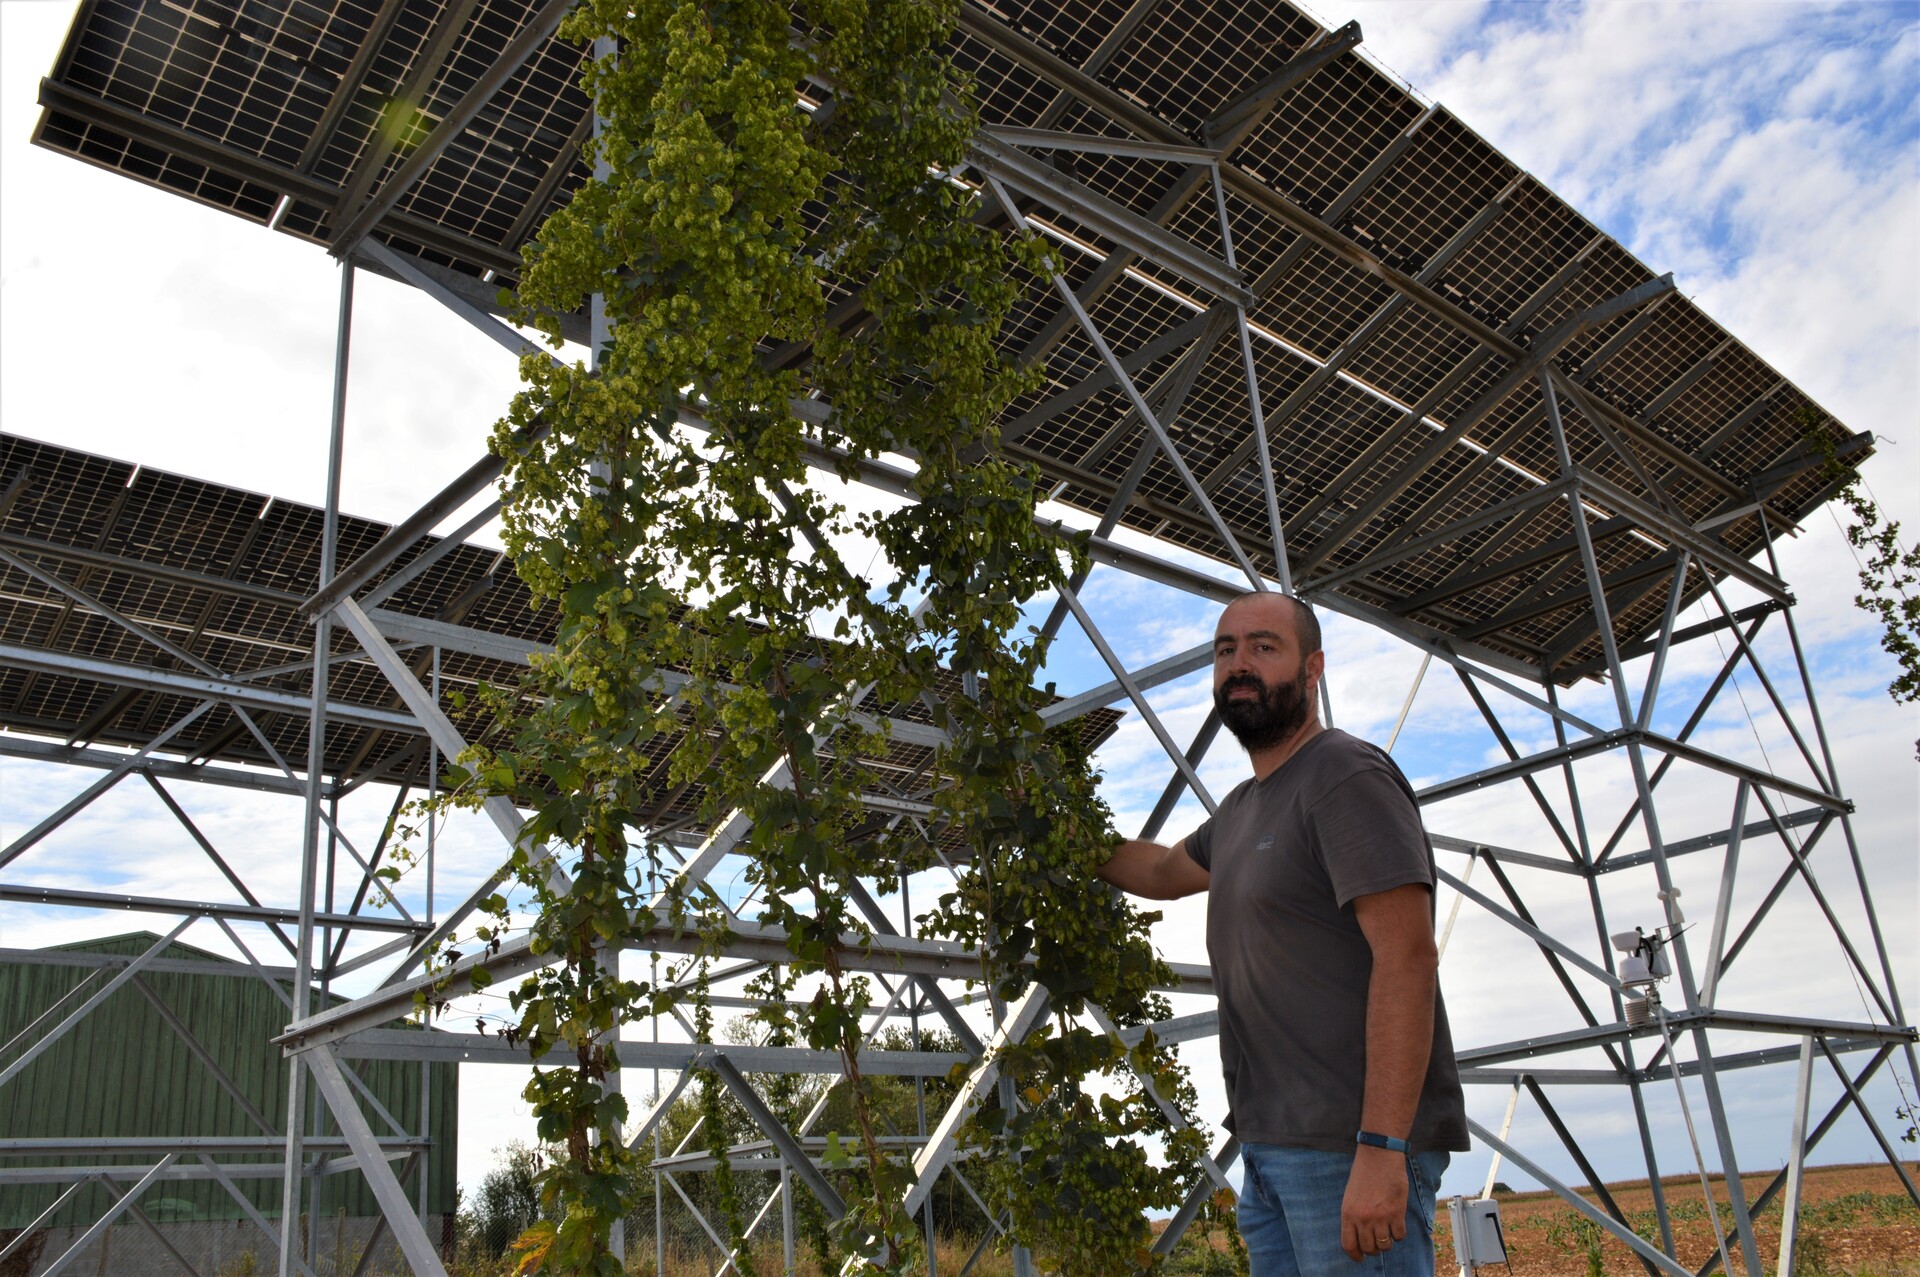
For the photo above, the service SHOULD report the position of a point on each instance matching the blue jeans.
(1289, 1214)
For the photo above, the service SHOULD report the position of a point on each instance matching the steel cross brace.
(1574, 853)
(1167, 397)
(1642, 1249)
(331, 1084)
(1177, 783)
(1184, 187)
(446, 737)
(1138, 697)
(1834, 1114)
(206, 845)
(145, 1220)
(1532, 933)
(125, 622)
(247, 1207)
(1197, 1198)
(99, 1226)
(933, 1158)
(23, 1235)
(1012, 167)
(790, 1150)
(120, 768)
(1866, 1115)
(127, 974)
(1101, 378)
(1215, 1171)
(1139, 403)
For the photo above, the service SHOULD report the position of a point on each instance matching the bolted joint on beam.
(1296, 70)
(1139, 235)
(1608, 311)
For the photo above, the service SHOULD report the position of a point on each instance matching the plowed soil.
(1855, 1221)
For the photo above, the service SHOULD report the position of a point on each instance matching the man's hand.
(1373, 1215)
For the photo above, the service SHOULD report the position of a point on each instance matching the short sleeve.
(1199, 845)
(1369, 836)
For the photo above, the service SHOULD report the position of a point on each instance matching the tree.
(1890, 576)
(507, 1202)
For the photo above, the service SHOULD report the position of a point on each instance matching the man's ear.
(1316, 668)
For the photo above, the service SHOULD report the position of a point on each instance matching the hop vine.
(805, 275)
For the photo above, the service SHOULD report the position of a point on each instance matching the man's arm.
(1156, 872)
(1398, 925)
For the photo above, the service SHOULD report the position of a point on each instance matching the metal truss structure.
(1305, 327)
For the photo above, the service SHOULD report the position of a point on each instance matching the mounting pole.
(291, 1253)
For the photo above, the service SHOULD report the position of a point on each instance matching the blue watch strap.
(1382, 1141)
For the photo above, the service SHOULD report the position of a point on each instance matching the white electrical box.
(1477, 1239)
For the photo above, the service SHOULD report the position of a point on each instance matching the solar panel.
(220, 573)
(1400, 270)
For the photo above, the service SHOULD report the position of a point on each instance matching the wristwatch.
(1382, 1141)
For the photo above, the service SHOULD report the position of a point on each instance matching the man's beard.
(1274, 715)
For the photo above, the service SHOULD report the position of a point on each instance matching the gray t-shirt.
(1286, 856)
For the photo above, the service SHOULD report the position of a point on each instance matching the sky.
(1766, 153)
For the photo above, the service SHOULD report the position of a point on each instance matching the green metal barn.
(179, 1059)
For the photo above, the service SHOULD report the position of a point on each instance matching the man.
(1341, 1081)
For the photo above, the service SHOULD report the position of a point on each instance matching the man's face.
(1262, 685)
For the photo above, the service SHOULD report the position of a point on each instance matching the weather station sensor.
(1477, 1239)
(1643, 965)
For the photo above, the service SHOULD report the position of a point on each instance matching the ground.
(1855, 1221)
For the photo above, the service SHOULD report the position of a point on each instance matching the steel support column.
(294, 1163)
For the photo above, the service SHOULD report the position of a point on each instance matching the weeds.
(1575, 1232)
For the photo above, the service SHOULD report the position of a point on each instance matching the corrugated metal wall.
(124, 1071)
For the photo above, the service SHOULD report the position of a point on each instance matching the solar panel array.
(220, 574)
(1401, 270)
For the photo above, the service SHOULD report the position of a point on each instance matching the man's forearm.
(1132, 865)
(1400, 998)
(1151, 870)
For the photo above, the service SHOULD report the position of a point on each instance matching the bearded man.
(1341, 1081)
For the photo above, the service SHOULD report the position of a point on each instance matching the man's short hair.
(1306, 625)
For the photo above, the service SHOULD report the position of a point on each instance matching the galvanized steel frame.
(1595, 506)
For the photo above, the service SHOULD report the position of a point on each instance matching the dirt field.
(1855, 1221)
